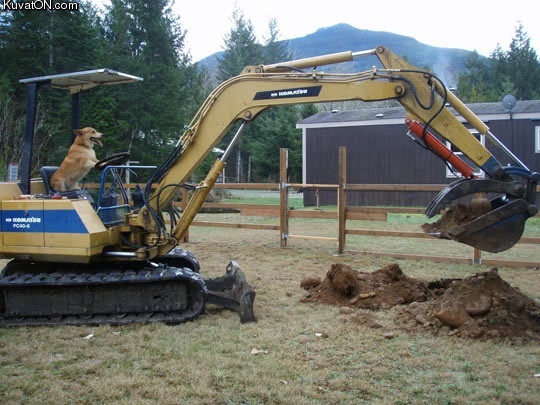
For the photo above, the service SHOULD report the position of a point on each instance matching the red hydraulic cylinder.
(439, 148)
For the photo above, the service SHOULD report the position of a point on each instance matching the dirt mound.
(480, 306)
(381, 289)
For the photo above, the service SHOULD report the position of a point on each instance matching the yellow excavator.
(113, 259)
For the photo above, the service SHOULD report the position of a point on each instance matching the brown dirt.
(457, 215)
(479, 306)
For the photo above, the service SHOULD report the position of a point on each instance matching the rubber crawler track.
(151, 277)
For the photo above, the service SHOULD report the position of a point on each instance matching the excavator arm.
(426, 101)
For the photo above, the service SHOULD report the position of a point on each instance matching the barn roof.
(529, 109)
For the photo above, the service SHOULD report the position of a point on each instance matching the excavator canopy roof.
(76, 82)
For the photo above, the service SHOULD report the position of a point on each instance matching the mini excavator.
(74, 260)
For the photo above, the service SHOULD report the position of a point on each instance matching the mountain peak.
(444, 62)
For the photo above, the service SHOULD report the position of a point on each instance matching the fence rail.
(342, 214)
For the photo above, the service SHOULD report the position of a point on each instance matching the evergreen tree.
(274, 49)
(240, 48)
(146, 39)
(276, 127)
(38, 44)
(515, 71)
(257, 156)
(523, 62)
(133, 36)
(474, 84)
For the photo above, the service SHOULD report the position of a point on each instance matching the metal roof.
(78, 81)
(386, 116)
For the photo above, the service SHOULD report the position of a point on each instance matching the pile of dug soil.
(381, 289)
(480, 306)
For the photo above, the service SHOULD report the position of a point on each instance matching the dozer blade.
(232, 291)
(496, 231)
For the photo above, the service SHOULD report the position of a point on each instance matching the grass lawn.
(306, 353)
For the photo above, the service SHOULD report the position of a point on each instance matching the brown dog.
(80, 159)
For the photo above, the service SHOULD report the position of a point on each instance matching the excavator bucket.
(494, 227)
(496, 231)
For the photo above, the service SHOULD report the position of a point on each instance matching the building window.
(451, 172)
(537, 139)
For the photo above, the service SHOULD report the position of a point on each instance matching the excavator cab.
(74, 83)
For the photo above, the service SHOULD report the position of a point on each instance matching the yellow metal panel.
(60, 204)
(37, 187)
(52, 254)
(68, 240)
(13, 225)
(89, 217)
(9, 191)
(65, 230)
(86, 241)
(96, 236)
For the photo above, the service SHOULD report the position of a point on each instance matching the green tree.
(514, 71)
(257, 154)
(276, 127)
(275, 50)
(523, 66)
(474, 84)
(240, 48)
(146, 39)
(44, 43)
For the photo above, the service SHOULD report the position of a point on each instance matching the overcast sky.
(466, 24)
(478, 25)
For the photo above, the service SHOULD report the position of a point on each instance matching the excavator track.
(153, 293)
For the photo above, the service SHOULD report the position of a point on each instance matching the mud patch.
(482, 306)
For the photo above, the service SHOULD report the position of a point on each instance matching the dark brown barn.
(380, 152)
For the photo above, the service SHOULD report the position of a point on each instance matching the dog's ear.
(77, 132)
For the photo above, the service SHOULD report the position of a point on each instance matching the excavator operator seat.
(46, 175)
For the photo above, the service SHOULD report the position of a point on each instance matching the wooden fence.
(343, 214)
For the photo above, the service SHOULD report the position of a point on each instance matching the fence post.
(477, 256)
(283, 197)
(342, 198)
